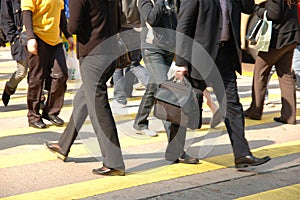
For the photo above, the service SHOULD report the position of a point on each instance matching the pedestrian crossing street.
(29, 171)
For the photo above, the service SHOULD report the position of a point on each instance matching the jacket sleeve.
(275, 10)
(187, 19)
(248, 6)
(151, 13)
(76, 9)
(27, 21)
(7, 20)
(64, 24)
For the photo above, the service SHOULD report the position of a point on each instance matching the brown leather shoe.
(105, 171)
(55, 148)
(187, 159)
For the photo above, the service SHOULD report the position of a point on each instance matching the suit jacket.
(93, 21)
(202, 21)
(285, 25)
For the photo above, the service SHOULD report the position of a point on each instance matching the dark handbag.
(253, 33)
(2, 39)
(179, 103)
(23, 38)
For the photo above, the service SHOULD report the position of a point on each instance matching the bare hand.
(181, 71)
(32, 46)
(180, 75)
(71, 43)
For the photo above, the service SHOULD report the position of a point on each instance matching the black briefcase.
(179, 103)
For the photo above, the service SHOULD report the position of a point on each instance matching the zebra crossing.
(29, 171)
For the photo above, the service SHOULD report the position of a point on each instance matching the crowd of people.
(160, 32)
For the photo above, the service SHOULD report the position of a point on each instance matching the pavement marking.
(23, 113)
(22, 99)
(275, 150)
(42, 155)
(287, 193)
(250, 73)
(267, 118)
(109, 184)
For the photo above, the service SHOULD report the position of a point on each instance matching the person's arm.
(64, 28)
(187, 19)
(151, 13)
(75, 8)
(275, 10)
(64, 24)
(7, 21)
(247, 6)
(32, 45)
(27, 21)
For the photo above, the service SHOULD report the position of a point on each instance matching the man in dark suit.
(208, 48)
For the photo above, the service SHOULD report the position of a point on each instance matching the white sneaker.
(148, 132)
(139, 86)
(116, 104)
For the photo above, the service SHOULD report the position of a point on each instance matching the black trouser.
(228, 98)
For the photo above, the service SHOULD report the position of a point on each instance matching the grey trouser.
(92, 100)
(16, 77)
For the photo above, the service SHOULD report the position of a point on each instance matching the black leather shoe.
(105, 171)
(248, 161)
(54, 119)
(38, 124)
(5, 98)
(55, 148)
(185, 158)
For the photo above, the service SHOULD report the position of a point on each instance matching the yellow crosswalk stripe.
(108, 184)
(267, 118)
(42, 155)
(287, 193)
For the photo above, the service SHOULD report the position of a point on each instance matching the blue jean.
(123, 84)
(296, 65)
(158, 64)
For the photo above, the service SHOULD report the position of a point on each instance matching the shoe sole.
(59, 156)
(33, 126)
(141, 133)
(111, 173)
